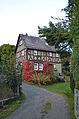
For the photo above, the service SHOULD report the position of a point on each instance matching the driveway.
(34, 106)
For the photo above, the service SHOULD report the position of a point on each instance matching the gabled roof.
(37, 43)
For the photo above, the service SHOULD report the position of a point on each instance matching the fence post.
(76, 103)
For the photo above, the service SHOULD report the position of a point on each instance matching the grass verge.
(5, 111)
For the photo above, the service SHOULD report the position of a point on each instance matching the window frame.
(22, 53)
(50, 54)
(40, 69)
(57, 55)
(36, 69)
(35, 53)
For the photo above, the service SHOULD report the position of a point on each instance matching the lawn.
(5, 111)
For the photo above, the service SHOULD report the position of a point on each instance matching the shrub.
(41, 78)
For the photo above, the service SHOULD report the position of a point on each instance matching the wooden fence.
(76, 103)
(7, 101)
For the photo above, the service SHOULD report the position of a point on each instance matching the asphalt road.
(34, 106)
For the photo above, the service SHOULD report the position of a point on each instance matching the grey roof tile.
(36, 43)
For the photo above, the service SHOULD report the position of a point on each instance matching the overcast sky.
(24, 16)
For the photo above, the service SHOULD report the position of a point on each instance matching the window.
(57, 55)
(22, 53)
(20, 43)
(42, 53)
(51, 54)
(35, 66)
(54, 66)
(35, 52)
(29, 51)
(39, 52)
(40, 66)
(32, 52)
(48, 53)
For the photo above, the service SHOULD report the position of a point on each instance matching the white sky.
(24, 16)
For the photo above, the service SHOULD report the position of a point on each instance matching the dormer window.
(35, 52)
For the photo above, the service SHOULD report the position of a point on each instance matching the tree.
(5, 51)
(72, 11)
(58, 35)
(8, 71)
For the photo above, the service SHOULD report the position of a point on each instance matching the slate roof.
(37, 43)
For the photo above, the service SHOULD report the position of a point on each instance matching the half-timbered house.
(37, 50)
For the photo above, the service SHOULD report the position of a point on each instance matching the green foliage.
(73, 14)
(41, 78)
(19, 76)
(58, 35)
(8, 74)
(75, 63)
(72, 82)
(72, 11)
(66, 66)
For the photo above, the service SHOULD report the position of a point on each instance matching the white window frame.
(54, 66)
(22, 53)
(57, 55)
(35, 67)
(54, 54)
(35, 52)
(51, 54)
(40, 66)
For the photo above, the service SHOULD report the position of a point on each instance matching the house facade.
(35, 49)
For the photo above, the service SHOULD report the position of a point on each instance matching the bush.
(41, 78)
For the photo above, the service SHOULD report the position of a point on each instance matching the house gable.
(20, 50)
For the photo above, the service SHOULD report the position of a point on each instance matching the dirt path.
(35, 105)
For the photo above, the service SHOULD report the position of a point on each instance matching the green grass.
(5, 111)
(30, 83)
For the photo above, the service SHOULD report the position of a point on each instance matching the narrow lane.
(34, 106)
